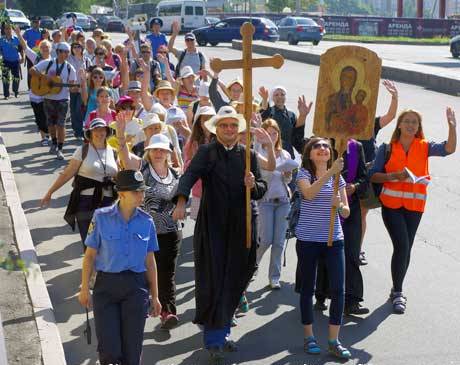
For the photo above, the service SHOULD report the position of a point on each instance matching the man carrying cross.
(223, 263)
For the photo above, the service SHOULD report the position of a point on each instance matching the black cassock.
(223, 264)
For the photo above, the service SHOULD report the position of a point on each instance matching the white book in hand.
(412, 178)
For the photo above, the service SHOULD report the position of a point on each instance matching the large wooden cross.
(247, 64)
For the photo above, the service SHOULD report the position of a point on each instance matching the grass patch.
(359, 38)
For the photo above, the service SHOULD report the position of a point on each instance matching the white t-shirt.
(32, 56)
(66, 77)
(92, 166)
(277, 187)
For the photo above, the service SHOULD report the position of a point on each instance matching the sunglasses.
(100, 54)
(319, 145)
(77, 47)
(145, 52)
(190, 40)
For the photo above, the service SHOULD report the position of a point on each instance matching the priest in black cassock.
(223, 263)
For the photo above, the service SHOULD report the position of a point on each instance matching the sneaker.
(335, 348)
(230, 346)
(59, 155)
(16, 95)
(399, 302)
(320, 305)
(168, 320)
(234, 321)
(6, 98)
(275, 285)
(244, 305)
(355, 308)
(45, 142)
(362, 258)
(310, 346)
(216, 355)
(53, 148)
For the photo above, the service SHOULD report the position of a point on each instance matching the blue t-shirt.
(156, 40)
(315, 214)
(32, 36)
(10, 48)
(121, 245)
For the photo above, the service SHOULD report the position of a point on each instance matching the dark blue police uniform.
(121, 291)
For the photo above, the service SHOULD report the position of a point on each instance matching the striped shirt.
(184, 98)
(315, 215)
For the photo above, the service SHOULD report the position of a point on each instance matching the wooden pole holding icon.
(247, 63)
(346, 100)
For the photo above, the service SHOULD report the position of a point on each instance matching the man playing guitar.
(56, 105)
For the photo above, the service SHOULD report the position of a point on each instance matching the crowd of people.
(163, 138)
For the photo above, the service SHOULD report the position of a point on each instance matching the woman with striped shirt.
(315, 182)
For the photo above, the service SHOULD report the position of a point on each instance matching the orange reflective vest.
(407, 194)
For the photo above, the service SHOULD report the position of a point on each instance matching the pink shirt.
(109, 117)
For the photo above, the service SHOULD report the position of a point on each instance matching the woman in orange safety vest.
(400, 168)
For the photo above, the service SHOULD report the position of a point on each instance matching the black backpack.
(378, 186)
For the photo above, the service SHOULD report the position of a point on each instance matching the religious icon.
(347, 93)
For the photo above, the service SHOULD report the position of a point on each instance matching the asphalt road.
(271, 332)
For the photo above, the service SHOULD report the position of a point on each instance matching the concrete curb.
(433, 78)
(50, 339)
(3, 357)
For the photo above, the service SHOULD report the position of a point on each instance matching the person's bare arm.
(393, 108)
(172, 39)
(451, 144)
(310, 191)
(69, 172)
(128, 160)
(147, 100)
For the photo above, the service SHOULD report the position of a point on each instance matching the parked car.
(229, 29)
(455, 46)
(211, 20)
(47, 22)
(17, 17)
(296, 29)
(111, 23)
(92, 22)
(82, 20)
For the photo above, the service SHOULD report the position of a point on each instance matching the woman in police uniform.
(120, 245)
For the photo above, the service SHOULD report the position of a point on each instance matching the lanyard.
(104, 165)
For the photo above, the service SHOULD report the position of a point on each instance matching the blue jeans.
(76, 116)
(215, 337)
(273, 225)
(308, 254)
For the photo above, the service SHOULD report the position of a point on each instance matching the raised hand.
(143, 65)
(263, 92)
(175, 27)
(337, 166)
(391, 88)
(262, 135)
(162, 59)
(450, 114)
(302, 105)
(256, 120)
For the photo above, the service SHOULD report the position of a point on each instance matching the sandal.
(336, 349)
(399, 303)
(310, 346)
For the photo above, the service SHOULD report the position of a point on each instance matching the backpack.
(181, 58)
(294, 212)
(378, 186)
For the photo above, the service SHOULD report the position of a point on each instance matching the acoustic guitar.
(41, 85)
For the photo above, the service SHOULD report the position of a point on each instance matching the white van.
(190, 14)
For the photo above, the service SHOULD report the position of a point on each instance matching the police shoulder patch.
(92, 226)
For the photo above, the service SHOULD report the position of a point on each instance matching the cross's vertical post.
(247, 31)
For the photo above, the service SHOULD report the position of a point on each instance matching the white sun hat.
(159, 141)
(226, 112)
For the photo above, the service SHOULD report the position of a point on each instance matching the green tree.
(277, 6)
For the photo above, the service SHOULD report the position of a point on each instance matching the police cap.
(130, 180)
(156, 21)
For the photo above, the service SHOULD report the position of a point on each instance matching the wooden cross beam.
(247, 63)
